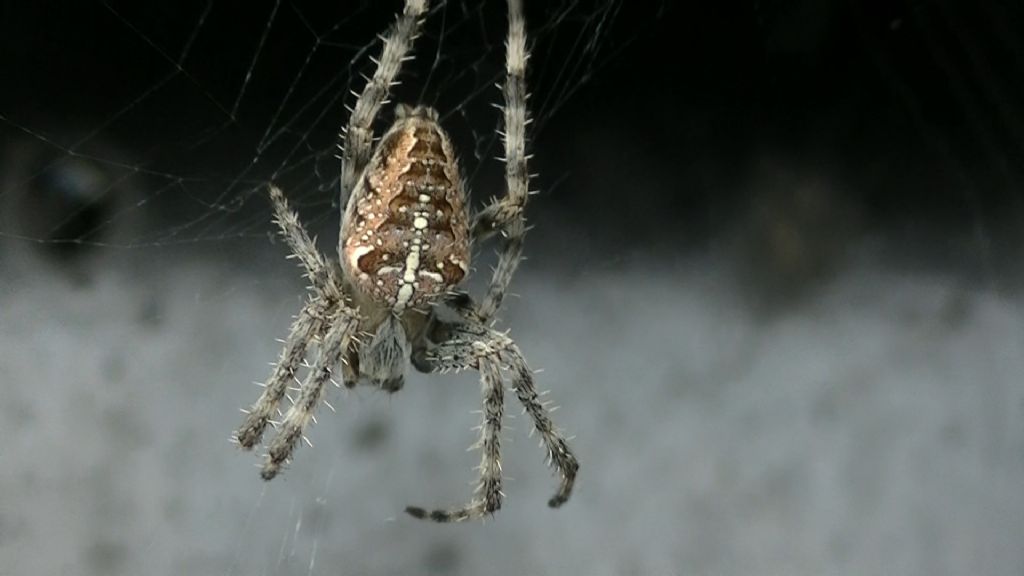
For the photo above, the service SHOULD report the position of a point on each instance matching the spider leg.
(495, 218)
(488, 493)
(560, 456)
(507, 214)
(473, 345)
(307, 325)
(357, 136)
(303, 248)
(332, 347)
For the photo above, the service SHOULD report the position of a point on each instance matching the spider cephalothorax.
(404, 246)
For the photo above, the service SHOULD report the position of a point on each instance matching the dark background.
(652, 115)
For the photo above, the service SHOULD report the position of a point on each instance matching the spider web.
(184, 113)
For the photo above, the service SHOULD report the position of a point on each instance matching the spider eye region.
(405, 240)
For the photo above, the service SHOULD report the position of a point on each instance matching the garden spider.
(405, 243)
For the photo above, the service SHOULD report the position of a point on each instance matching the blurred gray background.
(774, 287)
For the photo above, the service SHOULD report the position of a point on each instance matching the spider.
(390, 299)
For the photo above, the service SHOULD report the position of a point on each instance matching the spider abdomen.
(405, 236)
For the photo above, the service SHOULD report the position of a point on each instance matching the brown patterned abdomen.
(405, 238)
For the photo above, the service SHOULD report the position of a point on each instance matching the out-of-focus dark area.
(774, 282)
(660, 126)
(915, 106)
